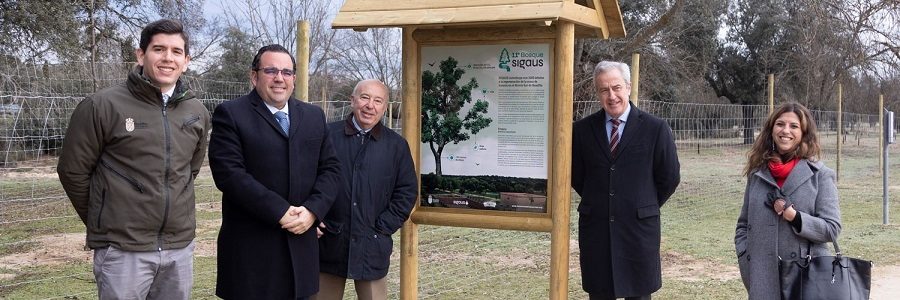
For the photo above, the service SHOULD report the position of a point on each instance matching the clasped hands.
(297, 220)
(780, 204)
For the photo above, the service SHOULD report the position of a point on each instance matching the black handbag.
(825, 277)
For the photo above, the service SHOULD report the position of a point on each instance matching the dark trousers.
(601, 296)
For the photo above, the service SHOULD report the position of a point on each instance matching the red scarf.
(780, 171)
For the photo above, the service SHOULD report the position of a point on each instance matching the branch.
(645, 35)
(894, 49)
(720, 88)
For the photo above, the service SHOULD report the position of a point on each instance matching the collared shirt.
(166, 95)
(274, 110)
(353, 128)
(623, 118)
(356, 125)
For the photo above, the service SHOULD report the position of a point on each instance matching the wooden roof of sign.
(600, 18)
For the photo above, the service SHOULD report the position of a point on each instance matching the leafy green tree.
(442, 100)
(238, 49)
(34, 29)
(756, 46)
(226, 76)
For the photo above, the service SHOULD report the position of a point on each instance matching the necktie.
(614, 140)
(362, 135)
(282, 119)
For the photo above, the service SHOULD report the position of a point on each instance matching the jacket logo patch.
(129, 124)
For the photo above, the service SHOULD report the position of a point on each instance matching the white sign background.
(516, 84)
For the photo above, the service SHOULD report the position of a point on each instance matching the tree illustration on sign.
(442, 100)
(504, 60)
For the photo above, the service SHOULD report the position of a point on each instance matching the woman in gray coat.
(790, 204)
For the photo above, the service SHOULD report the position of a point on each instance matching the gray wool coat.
(812, 188)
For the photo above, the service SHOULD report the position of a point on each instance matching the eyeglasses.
(272, 71)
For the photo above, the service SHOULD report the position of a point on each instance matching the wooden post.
(409, 234)
(840, 127)
(635, 77)
(325, 96)
(390, 113)
(301, 81)
(771, 78)
(324, 86)
(881, 122)
(560, 175)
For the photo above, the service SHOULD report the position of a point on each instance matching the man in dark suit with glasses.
(271, 157)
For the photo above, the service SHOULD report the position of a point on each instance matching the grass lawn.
(41, 239)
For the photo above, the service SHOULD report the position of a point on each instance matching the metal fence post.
(888, 137)
(840, 129)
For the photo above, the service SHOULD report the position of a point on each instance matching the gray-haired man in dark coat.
(377, 196)
(624, 167)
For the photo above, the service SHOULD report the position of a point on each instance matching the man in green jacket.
(128, 164)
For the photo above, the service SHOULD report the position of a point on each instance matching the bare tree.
(275, 21)
(676, 41)
(373, 54)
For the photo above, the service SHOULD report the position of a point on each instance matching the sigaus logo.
(520, 59)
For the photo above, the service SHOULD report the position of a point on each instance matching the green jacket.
(128, 165)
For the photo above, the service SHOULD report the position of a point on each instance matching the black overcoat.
(618, 217)
(376, 197)
(261, 172)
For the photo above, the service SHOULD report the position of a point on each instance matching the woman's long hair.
(763, 148)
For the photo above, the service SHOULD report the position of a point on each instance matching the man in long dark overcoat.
(271, 157)
(624, 167)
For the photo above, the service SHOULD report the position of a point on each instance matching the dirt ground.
(677, 265)
(688, 268)
(51, 250)
(59, 249)
(885, 283)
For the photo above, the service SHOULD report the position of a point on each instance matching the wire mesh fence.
(42, 239)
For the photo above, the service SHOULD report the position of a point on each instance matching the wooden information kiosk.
(487, 111)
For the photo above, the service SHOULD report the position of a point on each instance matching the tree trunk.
(437, 164)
